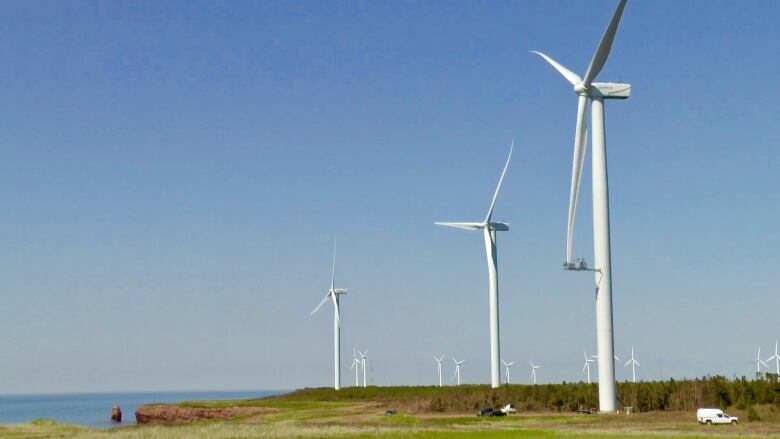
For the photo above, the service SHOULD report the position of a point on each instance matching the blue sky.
(173, 175)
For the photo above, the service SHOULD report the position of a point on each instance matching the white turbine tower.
(533, 370)
(489, 230)
(438, 366)
(759, 362)
(775, 357)
(363, 356)
(587, 365)
(586, 89)
(507, 366)
(457, 370)
(356, 366)
(333, 294)
(633, 364)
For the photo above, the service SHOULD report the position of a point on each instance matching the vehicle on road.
(485, 412)
(715, 416)
(507, 409)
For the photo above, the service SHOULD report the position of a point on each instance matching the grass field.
(357, 414)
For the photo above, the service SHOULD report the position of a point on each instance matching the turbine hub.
(580, 89)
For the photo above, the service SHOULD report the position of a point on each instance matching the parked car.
(390, 412)
(507, 409)
(715, 416)
(485, 412)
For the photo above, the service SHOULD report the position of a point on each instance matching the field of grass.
(359, 413)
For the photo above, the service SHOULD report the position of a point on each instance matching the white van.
(715, 416)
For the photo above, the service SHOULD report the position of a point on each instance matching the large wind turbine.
(507, 366)
(333, 294)
(586, 89)
(438, 366)
(489, 229)
(775, 357)
(633, 364)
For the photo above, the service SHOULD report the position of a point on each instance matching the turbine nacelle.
(607, 90)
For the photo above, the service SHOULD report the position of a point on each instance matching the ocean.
(94, 409)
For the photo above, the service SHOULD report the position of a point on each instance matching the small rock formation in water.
(116, 414)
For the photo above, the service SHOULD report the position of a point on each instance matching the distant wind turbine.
(507, 366)
(587, 365)
(457, 370)
(759, 362)
(533, 370)
(633, 364)
(438, 366)
(775, 357)
(363, 356)
(333, 294)
(489, 229)
(356, 366)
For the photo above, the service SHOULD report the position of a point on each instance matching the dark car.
(486, 412)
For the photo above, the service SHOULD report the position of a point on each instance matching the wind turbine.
(633, 364)
(759, 362)
(489, 230)
(363, 356)
(333, 294)
(507, 365)
(587, 365)
(533, 370)
(438, 366)
(356, 366)
(586, 89)
(775, 357)
(457, 370)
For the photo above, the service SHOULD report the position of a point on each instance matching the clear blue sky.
(172, 174)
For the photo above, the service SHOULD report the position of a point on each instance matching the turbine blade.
(466, 226)
(628, 362)
(578, 160)
(325, 299)
(600, 57)
(335, 307)
(637, 363)
(498, 187)
(570, 76)
(333, 270)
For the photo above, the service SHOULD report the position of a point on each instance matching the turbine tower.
(759, 362)
(587, 365)
(586, 89)
(775, 357)
(333, 294)
(506, 374)
(363, 356)
(633, 364)
(438, 366)
(457, 370)
(356, 366)
(533, 370)
(489, 230)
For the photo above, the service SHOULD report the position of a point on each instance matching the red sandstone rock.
(162, 413)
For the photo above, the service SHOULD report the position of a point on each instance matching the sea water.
(94, 409)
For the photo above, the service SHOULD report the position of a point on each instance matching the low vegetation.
(672, 395)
